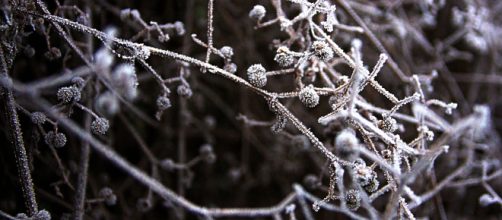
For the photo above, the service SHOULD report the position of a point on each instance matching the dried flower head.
(55, 139)
(163, 103)
(283, 57)
(69, 94)
(38, 118)
(258, 12)
(42, 215)
(388, 124)
(257, 75)
(100, 126)
(207, 154)
(308, 96)
(184, 91)
(322, 50)
(353, 199)
(227, 52)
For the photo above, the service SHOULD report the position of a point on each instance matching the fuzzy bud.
(353, 199)
(184, 91)
(168, 164)
(42, 215)
(283, 57)
(107, 194)
(322, 50)
(388, 124)
(363, 174)
(107, 103)
(309, 97)
(258, 12)
(486, 200)
(38, 118)
(230, 67)
(69, 94)
(227, 52)
(257, 75)
(207, 154)
(372, 186)
(163, 103)
(100, 126)
(55, 139)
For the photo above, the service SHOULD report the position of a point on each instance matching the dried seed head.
(283, 57)
(207, 154)
(372, 186)
(388, 124)
(100, 126)
(363, 174)
(125, 80)
(279, 124)
(258, 12)
(55, 139)
(163, 103)
(42, 215)
(107, 194)
(308, 96)
(311, 181)
(179, 27)
(38, 118)
(322, 50)
(168, 164)
(184, 91)
(486, 200)
(230, 67)
(69, 94)
(107, 103)
(227, 52)
(353, 199)
(301, 142)
(257, 75)
(78, 81)
(103, 58)
(346, 139)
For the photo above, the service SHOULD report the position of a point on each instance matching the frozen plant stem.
(16, 138)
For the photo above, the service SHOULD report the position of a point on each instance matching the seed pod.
(100, 126)
(38, 118)
(69, 94)
(353, 199)
(168, 164)
(107, 103)
(363, 174)
(311, 181)
(258, 12)
(207, 154)
(388, 124)
(55, 139)
(42, 215)
(309, 97)
(372, 186)
(230, 67)
(345, 144)
(184, 91)
(163, 103)
(283, 57)
(257, 76)
(227, 52)
(279, 124)
(107, 194)
(322, 50)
